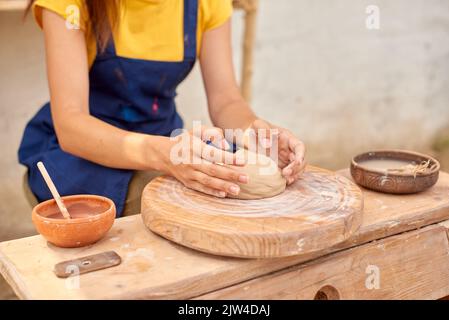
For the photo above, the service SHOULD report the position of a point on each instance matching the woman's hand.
(291, 150)
(199, 165)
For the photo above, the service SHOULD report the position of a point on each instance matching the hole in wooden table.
(327, 293)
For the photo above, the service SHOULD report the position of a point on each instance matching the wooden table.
(400, 251)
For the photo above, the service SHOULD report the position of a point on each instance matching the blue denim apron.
(131, 94)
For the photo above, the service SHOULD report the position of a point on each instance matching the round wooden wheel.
(316, 212)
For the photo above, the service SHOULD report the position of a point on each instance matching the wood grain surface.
(318, 211)
(412, 265)
(154, 268)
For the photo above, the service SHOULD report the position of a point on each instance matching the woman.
(113, 68)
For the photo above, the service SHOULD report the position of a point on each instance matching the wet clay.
(79, 209)
(265, 177)
(384, 164)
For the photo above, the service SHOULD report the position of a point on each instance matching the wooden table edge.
(215, 294)
(9, 271)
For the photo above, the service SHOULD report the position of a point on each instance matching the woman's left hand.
(291, 150)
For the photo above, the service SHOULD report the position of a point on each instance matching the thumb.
(265, 132)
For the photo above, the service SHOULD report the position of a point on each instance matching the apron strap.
(109, 50)
(190, 28)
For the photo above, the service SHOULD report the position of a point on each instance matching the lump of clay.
(265, 178)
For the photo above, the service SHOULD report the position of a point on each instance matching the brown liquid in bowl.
(77, 209)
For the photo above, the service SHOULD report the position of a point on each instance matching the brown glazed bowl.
(397, 183)
(77, 232)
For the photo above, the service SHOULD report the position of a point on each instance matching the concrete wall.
(23, 89)
(343, 88)
(318, 71)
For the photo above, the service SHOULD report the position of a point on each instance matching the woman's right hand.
(200, 167)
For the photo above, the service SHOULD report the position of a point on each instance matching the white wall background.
(341, 87)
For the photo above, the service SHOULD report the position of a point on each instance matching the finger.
(213, 154)
(266, 134)
(296, 157)
(282, 164)
(290, 180)
(291, 157)
(298, 148)
(282, 159)
(295, 177)
(283, 142)
(215, 136)
(293, 168)
(284, 155)
(215, 183)
(267, 137)
(223, 172)
(298, 170)
(289, 169)
(199, 187)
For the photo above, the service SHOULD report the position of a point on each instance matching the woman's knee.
(133, 198)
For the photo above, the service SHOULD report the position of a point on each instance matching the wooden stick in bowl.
(53, 190)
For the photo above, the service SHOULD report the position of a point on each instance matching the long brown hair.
(103, 18)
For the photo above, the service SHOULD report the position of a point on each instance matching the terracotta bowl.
(76, 232)
(397, 183)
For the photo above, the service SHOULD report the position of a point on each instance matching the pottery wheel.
(316, 212)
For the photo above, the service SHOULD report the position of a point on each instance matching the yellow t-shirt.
(148, 29)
